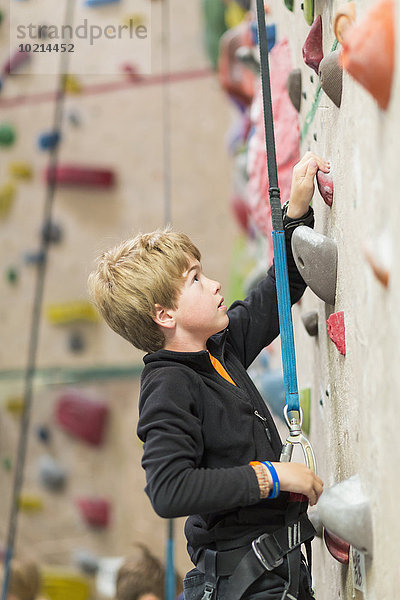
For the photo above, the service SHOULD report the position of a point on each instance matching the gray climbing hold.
(293, 86)
(310, 322)
(52, 474)
(315, 518)
(331, 76)
(315, 256)
(345, 511)
(86, 561)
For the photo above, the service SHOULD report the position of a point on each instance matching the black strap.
(293, 557)
(267, 553)
(211, 579)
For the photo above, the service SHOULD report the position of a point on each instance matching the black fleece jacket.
(200, 431)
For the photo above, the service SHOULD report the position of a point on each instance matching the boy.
(201, 418)
(142, 577)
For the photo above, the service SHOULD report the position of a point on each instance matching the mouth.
(220, 305)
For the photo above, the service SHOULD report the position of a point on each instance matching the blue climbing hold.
(43, 434)
(48, 141)
(271, 34)
(99, 2)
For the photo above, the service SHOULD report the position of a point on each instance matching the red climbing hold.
(338, 548)
(336, 331)
(325, 186)
(15, 61)
(132, 72)
(85, 176)
(95, 511)
(241, 212)
(312, 49)
(82, 417)
(368, 51)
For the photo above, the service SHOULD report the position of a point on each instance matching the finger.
(312, 168)
(323, 164)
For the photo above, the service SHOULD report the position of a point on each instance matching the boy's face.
(200, 310)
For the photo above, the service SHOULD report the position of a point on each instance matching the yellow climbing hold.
(70, 312)
(14, 405)
(30, 502)
(72, 85)
(20, 170)
(234, 14)
(134, 20)
(64, 584)
(7, 195)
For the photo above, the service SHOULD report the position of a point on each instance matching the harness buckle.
(268, 551)
(208, 592)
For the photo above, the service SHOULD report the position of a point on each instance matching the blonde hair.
(142, 574)
(133, 277)
(24, 582)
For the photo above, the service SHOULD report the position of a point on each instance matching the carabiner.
(296, 436)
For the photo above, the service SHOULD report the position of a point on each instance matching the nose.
(216, 286)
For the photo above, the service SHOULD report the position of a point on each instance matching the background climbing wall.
(115, 122)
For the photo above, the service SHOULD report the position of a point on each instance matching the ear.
(164, 317)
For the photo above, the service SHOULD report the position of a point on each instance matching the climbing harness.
(35, 322)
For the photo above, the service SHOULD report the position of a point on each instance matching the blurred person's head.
(142, 577)
(134, 277)
(24, 580)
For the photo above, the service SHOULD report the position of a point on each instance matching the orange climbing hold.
(344, 18)
(378, 253)
(368, 51)
(336, 331)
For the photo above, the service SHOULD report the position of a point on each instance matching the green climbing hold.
(308, 9)
(7, 463)
(12, 275)
(7, 134)
(289, 4)
(305, 403)
(215, 26)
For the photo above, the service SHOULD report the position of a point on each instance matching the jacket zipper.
(264, 422)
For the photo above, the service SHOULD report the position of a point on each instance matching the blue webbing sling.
(292, 408)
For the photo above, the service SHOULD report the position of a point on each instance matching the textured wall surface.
(354, 400)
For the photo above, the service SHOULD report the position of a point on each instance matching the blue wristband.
(274, 493)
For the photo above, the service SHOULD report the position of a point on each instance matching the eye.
(196, 278)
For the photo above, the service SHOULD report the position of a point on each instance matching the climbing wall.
(83, 483)
(335, 92)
